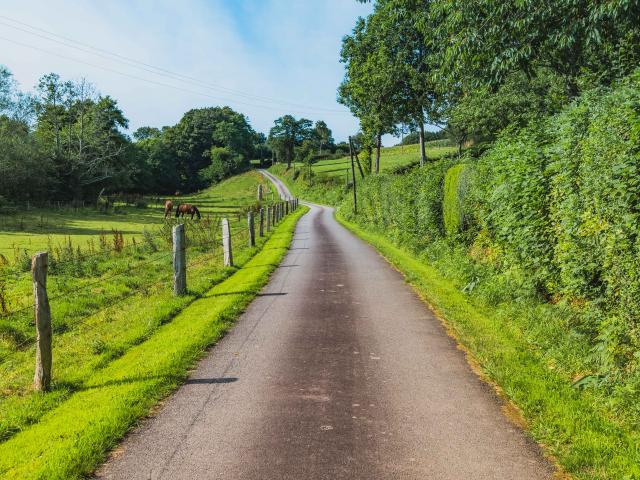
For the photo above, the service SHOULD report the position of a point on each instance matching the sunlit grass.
(390, 158)
(113, 369)
(574, 427)
(37, 229)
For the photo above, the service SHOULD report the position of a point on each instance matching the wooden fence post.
(261, 227)
(42, 311)
(260, 192)
(226, 243)
(286, 207)
(252, 229)
(179, 261)
(268, 219)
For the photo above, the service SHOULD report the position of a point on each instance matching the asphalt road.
(336, 371)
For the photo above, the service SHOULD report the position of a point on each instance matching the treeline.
(546, 206)
(477, 67)
(67, 142)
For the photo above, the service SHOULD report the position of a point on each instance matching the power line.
(49, 52)
(153, 69)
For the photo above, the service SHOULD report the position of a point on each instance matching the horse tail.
(197, 212)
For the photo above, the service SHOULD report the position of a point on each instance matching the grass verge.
(585, 441)
(70, 440)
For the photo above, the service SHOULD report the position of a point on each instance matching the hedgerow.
(551, 211)
(455, 190)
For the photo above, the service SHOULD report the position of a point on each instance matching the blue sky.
(264, 58)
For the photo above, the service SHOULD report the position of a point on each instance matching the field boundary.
(72, 439)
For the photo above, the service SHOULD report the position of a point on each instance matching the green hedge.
(455, 187)
(408, 208)
(551, 211)
(563, 203)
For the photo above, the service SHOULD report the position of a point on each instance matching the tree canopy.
(480, 66)
(75, 139)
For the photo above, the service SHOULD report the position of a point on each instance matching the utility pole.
(353, 175)
(352, 152)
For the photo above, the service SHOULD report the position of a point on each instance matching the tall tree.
(322, 134)
(201, 129)
(288, 133)
(369, 87)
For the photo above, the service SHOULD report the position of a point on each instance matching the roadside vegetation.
(109, 293)
(524, 237)
(527, 253)
(114, 368)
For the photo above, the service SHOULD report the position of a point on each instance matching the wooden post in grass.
(260, 192)
(42, 311)
(252, 229)
(261, 226)
(268, 219)
(353, 176)
(286, 207)
(226, 243)
(179, 261)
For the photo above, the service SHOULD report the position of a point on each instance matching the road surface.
(336, 371)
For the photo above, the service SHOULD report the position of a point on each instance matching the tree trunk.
(378, 145)
(423, 156)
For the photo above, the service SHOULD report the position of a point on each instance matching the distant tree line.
(299, 140)
(413, 138)
(67, 142)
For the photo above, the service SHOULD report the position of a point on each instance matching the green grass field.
(40, 229)
(106, 302)
(390, 158)
(111, 372)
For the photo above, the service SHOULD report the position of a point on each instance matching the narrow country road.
(336, 371)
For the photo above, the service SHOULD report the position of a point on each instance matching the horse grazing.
(168, 208)
(186, 209)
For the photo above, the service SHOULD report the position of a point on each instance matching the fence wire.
(237, 232)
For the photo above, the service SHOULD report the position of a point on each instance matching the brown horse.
(168, 208)
(186, 209)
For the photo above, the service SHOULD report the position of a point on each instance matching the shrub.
(452, 204)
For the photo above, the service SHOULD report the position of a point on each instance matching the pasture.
(390, 158)
(23, 232)
(108, 292)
